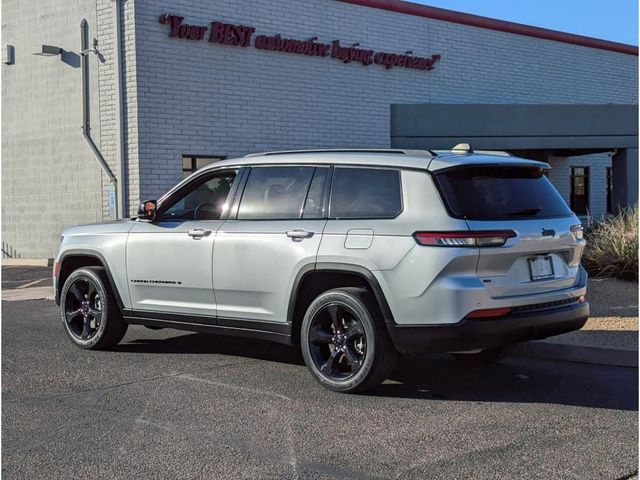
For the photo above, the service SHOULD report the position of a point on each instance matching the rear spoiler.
(443, 164)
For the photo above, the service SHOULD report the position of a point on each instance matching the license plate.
(541, 267)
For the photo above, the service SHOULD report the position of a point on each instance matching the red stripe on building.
(409, 8)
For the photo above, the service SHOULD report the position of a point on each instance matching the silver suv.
(354, 255)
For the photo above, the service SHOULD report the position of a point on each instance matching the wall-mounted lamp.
(9, 55)
(47, 51)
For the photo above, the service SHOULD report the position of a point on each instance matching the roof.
(410, 8)
(380, 158)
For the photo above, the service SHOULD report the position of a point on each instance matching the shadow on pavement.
(439, 377)
(203, 343)
(514, 380)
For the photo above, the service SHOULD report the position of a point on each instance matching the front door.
(274, 232)
(170, 260)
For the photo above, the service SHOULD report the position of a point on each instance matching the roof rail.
(393, 151)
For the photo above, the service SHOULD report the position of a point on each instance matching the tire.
(344, 341)
(488, 356)
(97, 323)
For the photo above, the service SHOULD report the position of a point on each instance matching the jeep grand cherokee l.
(355, 256)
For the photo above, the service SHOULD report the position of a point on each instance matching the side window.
(275, 193)
(365, 193)
(313, 206)
(202, 199)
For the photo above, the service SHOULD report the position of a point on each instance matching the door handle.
(299, 234)
(198, 233)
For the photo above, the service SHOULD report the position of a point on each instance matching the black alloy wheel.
(345, 342)
(91, 316)
(83, 309)
(338, 342)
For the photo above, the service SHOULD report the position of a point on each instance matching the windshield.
(500, 193)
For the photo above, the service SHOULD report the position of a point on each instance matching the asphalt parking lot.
(26, 277)
(169, 404)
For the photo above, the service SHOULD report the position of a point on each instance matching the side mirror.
(147, 210)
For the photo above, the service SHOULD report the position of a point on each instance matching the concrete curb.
(27, 262)
(613, 357)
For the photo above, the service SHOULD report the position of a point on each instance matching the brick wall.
(199, 97)
(560, 175)
(108, 81)
(49, 178)
(191, 97)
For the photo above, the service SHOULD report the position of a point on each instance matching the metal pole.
(122, 171)
(86, 111)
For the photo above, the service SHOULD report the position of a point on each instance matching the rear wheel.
(90, 314)
(344, 341)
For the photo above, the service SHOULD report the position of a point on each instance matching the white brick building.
(161, 100)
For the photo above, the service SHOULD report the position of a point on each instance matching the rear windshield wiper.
(526, 211)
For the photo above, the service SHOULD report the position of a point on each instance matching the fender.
(78, 252)
(329, 267)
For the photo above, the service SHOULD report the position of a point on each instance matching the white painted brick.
(197, 97)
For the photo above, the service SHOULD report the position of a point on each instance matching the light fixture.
(9, 55)
(47, 51)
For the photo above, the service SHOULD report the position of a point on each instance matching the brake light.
(480, 238)
(489, 313)
(577, 231)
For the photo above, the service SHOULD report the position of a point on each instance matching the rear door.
(545, 253)
(273, 232)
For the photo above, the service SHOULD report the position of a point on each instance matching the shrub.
(612, 246)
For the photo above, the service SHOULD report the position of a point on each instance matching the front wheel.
(90, 314)
(344, 341)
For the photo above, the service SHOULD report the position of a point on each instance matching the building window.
(191, 163)
(580, 190)
(609, 190)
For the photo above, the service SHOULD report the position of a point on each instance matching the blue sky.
(615, 20)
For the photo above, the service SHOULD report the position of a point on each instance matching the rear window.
(500, 193)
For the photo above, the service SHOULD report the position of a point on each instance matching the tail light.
(480, 238)
(577, 231)
(489, 313)
(56, 269)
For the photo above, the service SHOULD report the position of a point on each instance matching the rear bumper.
(471, 334)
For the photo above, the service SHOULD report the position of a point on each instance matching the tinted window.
(498, 193)
(365, 193)
(202, 199)
(275, 193)
(313, 207)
